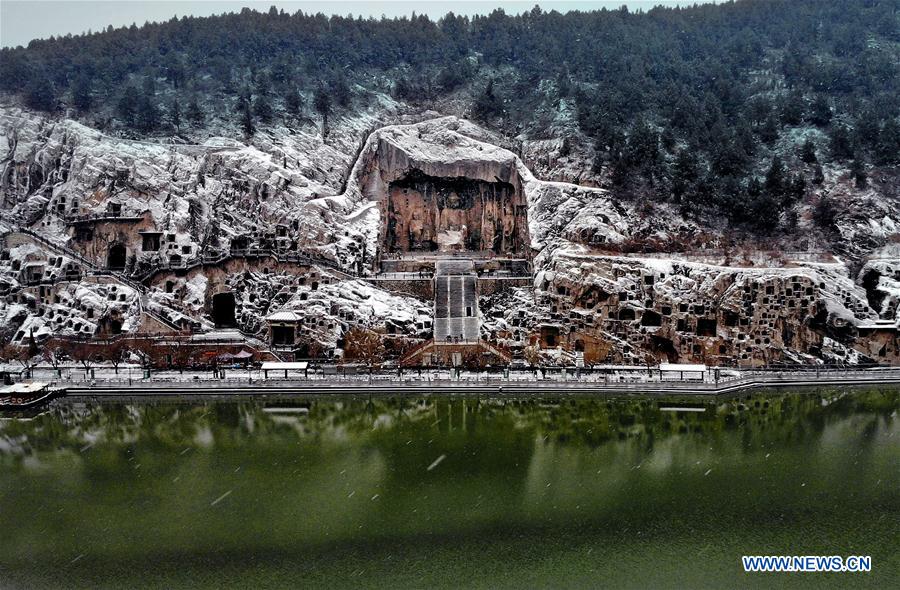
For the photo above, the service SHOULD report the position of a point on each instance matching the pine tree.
(792, 109)
(685, 172)
(322, 104)
(487, 105)
(858, 171)
(246, 116)
(293, 102)
(641, 154)
(127, 106)
(341, 90)
(263, 85)
(147, 115)
(841, 147)
(82, 97)
(195, 113)
(775, 177)
(39, 94)
(820, 111)
(667, 139)
(808, 152)
(175, 114)
(796, 189)
(866, 130)
(262, 109)
(824, 213)
(818, 175)
(887, 150)
(768, 131)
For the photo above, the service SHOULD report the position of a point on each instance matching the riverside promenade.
(130, 384)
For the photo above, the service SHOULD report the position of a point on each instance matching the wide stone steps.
(455, 302)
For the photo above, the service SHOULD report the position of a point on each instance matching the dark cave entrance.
(651, 318)
(115, 257)
(283, 335)
(663, 347)
(706, 327)
(874, 296)
(223, 310)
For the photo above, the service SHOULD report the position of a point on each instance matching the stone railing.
(101, 216)
(280, 256)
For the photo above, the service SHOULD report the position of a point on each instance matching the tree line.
(687, 104)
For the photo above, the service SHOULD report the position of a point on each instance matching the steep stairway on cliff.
(455, 302)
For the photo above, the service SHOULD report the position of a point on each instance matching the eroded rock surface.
(270, 225)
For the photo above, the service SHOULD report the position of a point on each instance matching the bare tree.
(82, 353)
(178, 353)
(54, 352)
(365, 346)
(116, 352)
(24, 355)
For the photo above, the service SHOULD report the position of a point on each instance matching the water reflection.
(310, 479)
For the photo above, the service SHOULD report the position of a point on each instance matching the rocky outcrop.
(442, 184)
(682, 311)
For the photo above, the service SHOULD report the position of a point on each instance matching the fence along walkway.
(516, 383)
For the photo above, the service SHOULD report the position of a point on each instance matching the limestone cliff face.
(441, 184)
(682, 311)
(67, 180)
(439, 187)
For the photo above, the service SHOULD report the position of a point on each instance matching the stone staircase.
(456, 318)
(455, 302)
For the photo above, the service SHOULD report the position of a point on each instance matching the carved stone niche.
(427, 213)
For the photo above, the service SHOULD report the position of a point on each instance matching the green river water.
(433, 492)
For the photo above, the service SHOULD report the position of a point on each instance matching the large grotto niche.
(223, 310)
(427, 213)
(116, 257)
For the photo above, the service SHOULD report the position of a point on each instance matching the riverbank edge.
(219, 391)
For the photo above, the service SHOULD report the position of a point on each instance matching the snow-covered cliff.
(263, 218)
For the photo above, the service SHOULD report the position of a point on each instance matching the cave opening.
(730, 318)
(223, 307)
(651, 319)
(116, 256)
(283, 335)
(874, 296)
(664, 347)
(706, 327)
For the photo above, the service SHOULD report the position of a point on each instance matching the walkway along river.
(571, 381)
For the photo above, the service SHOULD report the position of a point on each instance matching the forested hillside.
(731, 109)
